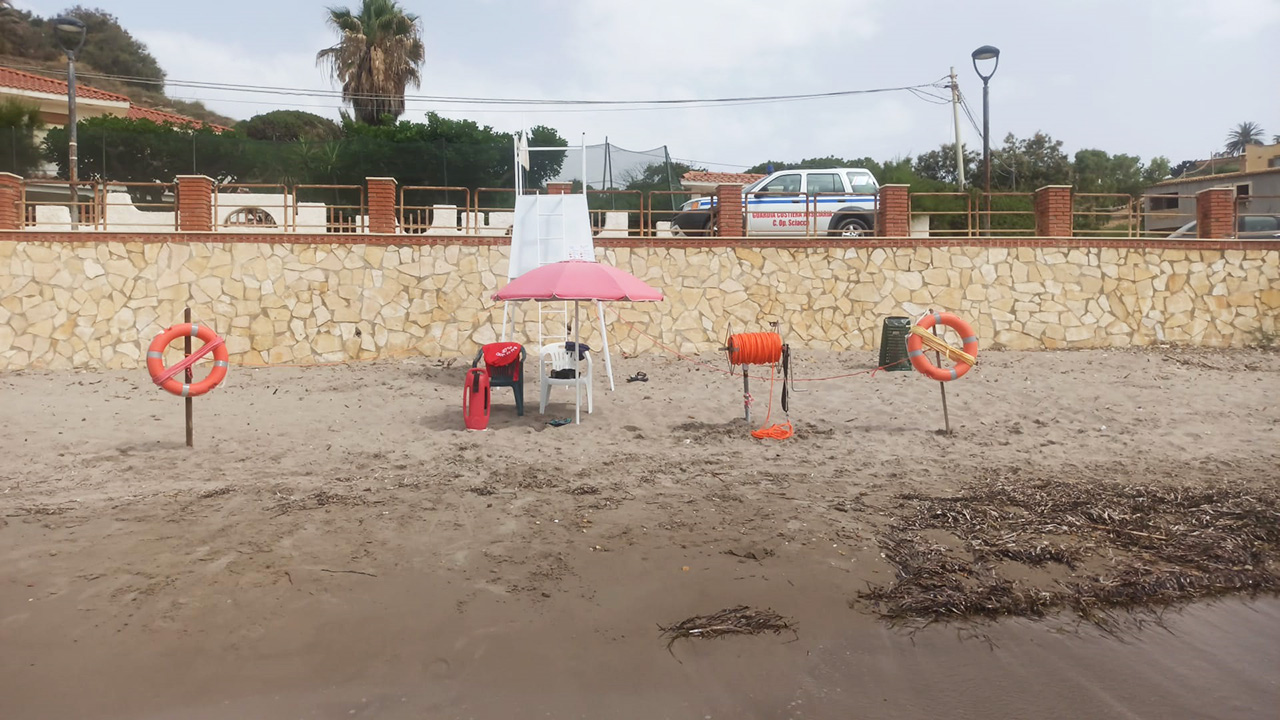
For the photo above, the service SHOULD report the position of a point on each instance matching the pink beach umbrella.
(578, 280)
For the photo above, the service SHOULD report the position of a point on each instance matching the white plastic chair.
(556, 357)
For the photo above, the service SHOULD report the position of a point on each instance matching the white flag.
(522, 148)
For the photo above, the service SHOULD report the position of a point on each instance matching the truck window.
(862, 183)
(782, 184)
(825, 183)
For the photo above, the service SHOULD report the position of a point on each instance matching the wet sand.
(336, 547)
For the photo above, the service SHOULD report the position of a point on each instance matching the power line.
(468, 100)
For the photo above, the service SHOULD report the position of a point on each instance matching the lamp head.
(70, 34)
(986, 52)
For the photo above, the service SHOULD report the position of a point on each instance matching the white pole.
(955, 109)
(604, 338)
(577, 371)
(584, 168)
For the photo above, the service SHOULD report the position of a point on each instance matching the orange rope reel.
(762, 348)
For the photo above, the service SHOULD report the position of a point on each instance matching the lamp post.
(986, 52)
(70, 33)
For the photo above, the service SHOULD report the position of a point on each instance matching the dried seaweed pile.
(1102, 546)
(740, 620)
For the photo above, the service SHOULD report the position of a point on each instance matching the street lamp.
(70, 34)
(986, 52)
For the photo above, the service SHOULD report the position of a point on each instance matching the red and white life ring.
(915, 346)
(166, 377)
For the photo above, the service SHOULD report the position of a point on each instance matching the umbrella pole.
(577, 371)
(604, 338)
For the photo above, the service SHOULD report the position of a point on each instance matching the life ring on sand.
(921, 335)
(165, 377)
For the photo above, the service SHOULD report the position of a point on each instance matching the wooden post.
(946, 419)
(186, 347)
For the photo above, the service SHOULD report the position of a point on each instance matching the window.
(1259, 223)
(783, 184)
(1242, 190)
(862, 183)
(1156, 203)
(825, 183)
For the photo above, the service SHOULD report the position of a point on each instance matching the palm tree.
(378, 54)
(1246, 133)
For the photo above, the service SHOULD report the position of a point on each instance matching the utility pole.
(955, 108)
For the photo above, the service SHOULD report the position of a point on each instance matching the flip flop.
(638, 377)
(559, 422)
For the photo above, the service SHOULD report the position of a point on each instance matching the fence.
(455, 209)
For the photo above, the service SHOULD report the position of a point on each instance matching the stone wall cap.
(10, 175)
(905, 185)
(388, 179)
(1232, 188)
(193, 177)
(1047, 187)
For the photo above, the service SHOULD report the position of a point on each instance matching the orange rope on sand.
(772, 432)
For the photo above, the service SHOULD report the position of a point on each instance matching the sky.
(1143, 77)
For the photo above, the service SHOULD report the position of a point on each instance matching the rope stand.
(762, 348)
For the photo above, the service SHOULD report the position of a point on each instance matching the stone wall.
(70, 304)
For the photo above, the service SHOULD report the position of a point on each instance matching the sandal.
(638, 377)
(559, 422)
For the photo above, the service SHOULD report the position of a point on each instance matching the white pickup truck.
(834, 201)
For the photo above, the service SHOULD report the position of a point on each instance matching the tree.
(1024, 165)
(19, 153)
(111, 50)
(940, 164)
(1246, 133)
(378, 54)
(1156, 171)
(288, 125)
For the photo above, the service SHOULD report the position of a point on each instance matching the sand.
(337, 546)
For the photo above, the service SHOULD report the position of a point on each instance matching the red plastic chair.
(510, 375)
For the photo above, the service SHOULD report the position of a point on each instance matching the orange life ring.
(915, 346)
(166, 377)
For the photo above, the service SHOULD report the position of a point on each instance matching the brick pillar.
(10, 202)
(559, 188)
(729, 211)
(1053, 211)
(893, 214)
(1215, 213)
(382, 205)
(195, 203)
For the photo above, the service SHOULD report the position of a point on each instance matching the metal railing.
(616, 213)
(951, 214)
(457, 210)
(140, 206)
(257, 211)
(1162, 214)
(438, 209)
(1007, 214)
(1257, 216)
(1104, 214)
(52, 204)
(329, 209)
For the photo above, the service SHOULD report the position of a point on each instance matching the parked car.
(837, 201)
(1248, 227)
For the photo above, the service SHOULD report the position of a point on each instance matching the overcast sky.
(1146, 77)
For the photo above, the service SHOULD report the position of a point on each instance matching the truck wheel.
(852, 227)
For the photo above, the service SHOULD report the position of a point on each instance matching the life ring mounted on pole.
(922, 335)
(167, 377)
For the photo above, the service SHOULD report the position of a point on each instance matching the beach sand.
(336, 545)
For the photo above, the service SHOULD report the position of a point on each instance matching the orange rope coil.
(763, 348)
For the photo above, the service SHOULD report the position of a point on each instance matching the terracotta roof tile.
(720, 178)
(10, 78)
(166, 117)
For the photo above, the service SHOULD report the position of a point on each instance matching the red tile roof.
(165, 117)
(17, 79)
(720, 178)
